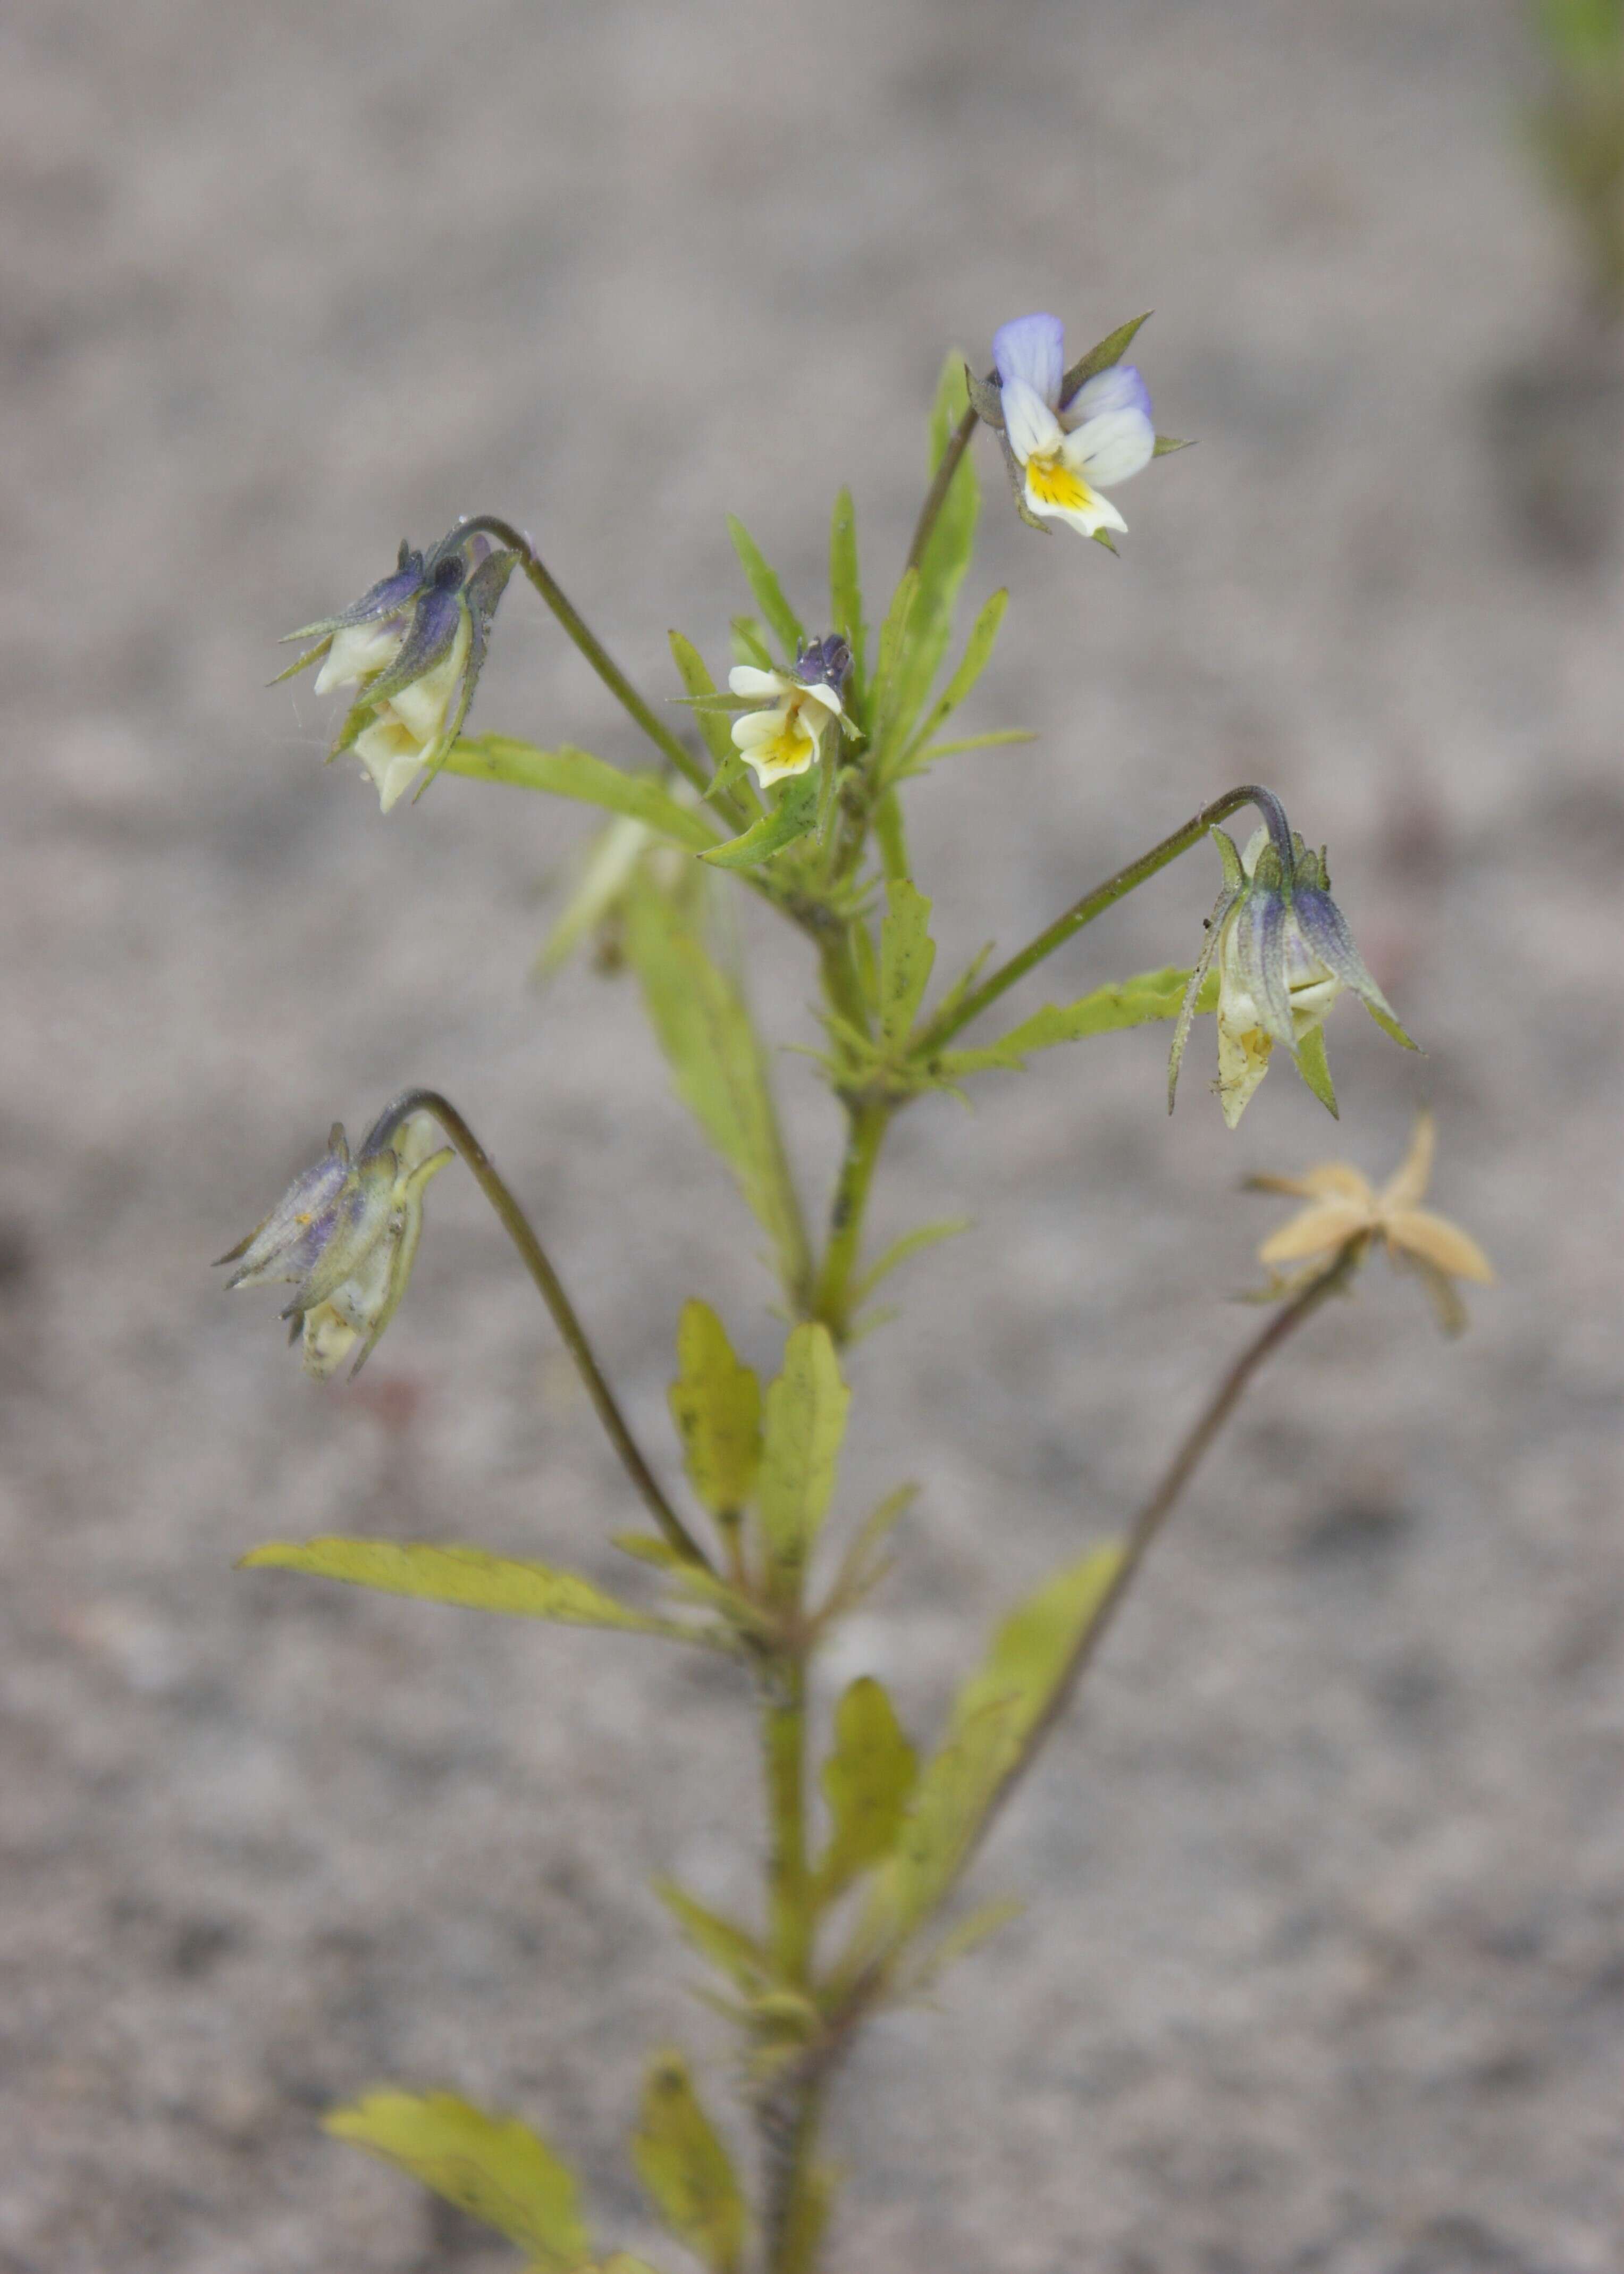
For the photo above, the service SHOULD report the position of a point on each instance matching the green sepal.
(769, 593)
(577, 774)
(1108, 351)
(685, 2171)
(716, 1404)
(1314, 1066)
(1166, 444)
(806, 1411)
(469, 1578)
(867, 1780)
(491, 2167)
(794, 816)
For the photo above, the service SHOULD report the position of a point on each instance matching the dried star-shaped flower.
(1345, 1209)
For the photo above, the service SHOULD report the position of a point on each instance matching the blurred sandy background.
(1324, 1962)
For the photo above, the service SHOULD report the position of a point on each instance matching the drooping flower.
(1284, 954)
(414, 646)
(786, 736)
(1345, 1208)
(1067, 444)
(344, 1236)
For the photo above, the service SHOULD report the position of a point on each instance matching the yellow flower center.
(1050, 482)
(791, 750)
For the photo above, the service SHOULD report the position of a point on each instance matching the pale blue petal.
(1033, 348)
(1120, 386)
(1112, 448)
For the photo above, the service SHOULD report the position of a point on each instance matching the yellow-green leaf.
(902, 1250)
(1132, 1003)
(907, 954)
(697, 682)
(467, 1576)
(867, 1780)
(686, 2170)
(793, 816)
(806, 1423)
(946, 555)
(491, 2167)
(729, 1948)
(705, 1030)
(845, 596)
(768, 591)
(576, 774)
(716, 1404)
(993, 1722)
(978, 652)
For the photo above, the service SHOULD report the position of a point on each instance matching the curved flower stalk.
(1284, 954)
(415, 645)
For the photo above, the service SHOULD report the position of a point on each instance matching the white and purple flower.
(1069, 443)
(786, 736)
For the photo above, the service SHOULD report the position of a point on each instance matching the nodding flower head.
(1068, 436)
(414, 646)
(1284, 954)
(785, 736)
(344, 1236)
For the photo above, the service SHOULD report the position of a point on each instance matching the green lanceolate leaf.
(867, 1780)
(993, 1722)
(751, 643)
(577, 774)
(727, 1946)
(491, 2167)
(1314, 1067)
(846, 599)
(705, 1030)
(911, 1244)
(947, 554)
(907, 954)
(889, 674)
(806, 1423)
(1110, 350)
(864, 1565)
(1132, 1003)
(467, 1576)
(716, 1404)
(769, 593)
(978, 651)
(600, 881)
(714, 724)
(794, 816)
(686, 2170)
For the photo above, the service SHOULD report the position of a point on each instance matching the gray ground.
(1324, 1962)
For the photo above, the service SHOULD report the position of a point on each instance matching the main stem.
(516, 1224)
(865, 1135)
(1105, 896)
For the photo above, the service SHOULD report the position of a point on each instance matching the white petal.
(392, 756)
(1031, 349)
(758, 726)
(1111, 447)
(359, 651)
(1118, 387)
(829, 696)
(1032, 427)
(1094, 510)
(762, 685)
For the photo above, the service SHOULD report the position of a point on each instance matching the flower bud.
(414, 646)
(344, 1236)
(1284, 954)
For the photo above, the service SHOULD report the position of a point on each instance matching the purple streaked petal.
(1259, 947)
(1325, 930)
(433, 630)
(1033, 349)
(1119, 386)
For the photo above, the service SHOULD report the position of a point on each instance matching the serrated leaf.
(716, 1404)
(978, 651)
(572, 773)
(867, 1780)
(769, 593)
(845, 597)
(805, 1426)
(907, 953)
(911, 1244)
(793, 816)
(1108, 351)
(468, 1577)
(727, 1946)
(685, 2169)
(491, 2167)
(720, 1073)
(1132, 1003)
(993, 1721)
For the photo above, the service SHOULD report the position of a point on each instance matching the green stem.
(789, 1886)
(936, 496)
(891, 836)
(865, 1135)
(1095, 903)
(596, 653)
(516, 1224)
(795, 2212)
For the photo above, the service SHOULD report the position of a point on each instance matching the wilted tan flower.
(1345, 1208)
